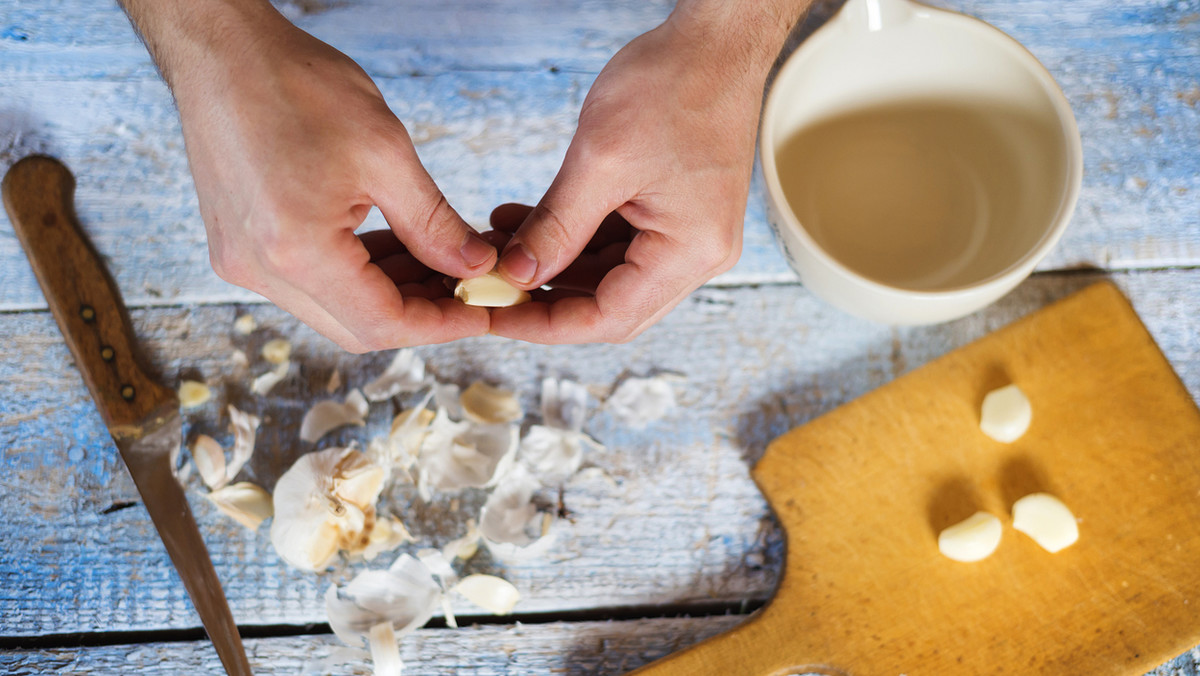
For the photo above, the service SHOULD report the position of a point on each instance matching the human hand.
(290, 144)
(666, 141)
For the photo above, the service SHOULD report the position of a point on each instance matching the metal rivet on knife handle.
(107, 353)
(88, 313)
(127, 392)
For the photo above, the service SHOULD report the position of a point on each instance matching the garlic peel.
(1006, 414)
(245, 324)
(405, 595)
(495, 595)
(385, 651)
(489, 290)
(1047, 520)
(277, 351)
(555, 454)
(405, 373)
(326, 416)
(263, 384)
(483, 403)
(564, 404)
(245, 433)
(973, 539)
(243, 502)
(637, 402)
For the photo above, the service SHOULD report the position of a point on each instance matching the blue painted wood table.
(669, 541)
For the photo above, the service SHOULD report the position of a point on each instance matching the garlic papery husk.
(637, 402)
(405, 596)
(386, 535)
(406, 373)
(555, 454)
(463, 548)
(510, 524)
(408, 432)
(326, 416)
(446, 397)
(209, 459)
(243, 502)
(263, 384)
(495, 595)
(385, 650)
(564, 404)
(245, 433)
(323, 503)
(485, 404)
(457, 455)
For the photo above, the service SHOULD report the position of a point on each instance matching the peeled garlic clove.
(209, 458)
(495, 595)
(277, 351)
(486, 404)
(1047, 520)
(193, 393)
(245, 324)
(243, 502)
(973, 539)
(490, 290)
(1006, 414)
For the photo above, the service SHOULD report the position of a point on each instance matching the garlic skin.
(485, 404)
(510, 524)
(489, 290)
(263, 384)
(324, 503)
(637, 402)
(209, 459)
(245, 324)
(1006, 414)
(277, 351)
(1047, 520)
(973, 539)
(456, 455)
(406, 373)
(405, 596)
(326, 416)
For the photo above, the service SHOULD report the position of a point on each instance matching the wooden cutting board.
(863, 492)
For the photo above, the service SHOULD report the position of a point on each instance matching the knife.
(142, 415)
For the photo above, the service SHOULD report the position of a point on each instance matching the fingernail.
(475, 251)
(518, 265)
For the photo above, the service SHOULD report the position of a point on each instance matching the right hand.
(290, 144)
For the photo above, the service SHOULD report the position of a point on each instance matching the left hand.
(666, 141)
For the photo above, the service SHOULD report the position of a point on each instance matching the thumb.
(558, 228)
(422, 219)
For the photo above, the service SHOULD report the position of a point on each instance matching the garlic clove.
(243, 502)
(209, 458)
(483, 403)
(1006, 414)
(406, 373)
(335, 382)
(495, 595)
(637, 402)
(193, 394)
(1047, 520)
(972, 539)
(277, 351)
(245, 324)
(489, 290)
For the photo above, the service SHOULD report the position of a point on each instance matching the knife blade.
(141, 414)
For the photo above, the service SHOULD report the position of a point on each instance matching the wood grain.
(493, 127)
(863, 492)
(554, 649)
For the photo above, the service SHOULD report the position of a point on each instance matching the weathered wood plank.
(591, 648)
(1129, 68)
(757, 362)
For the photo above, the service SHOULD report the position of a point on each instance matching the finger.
(420, 216)
(360, 297)
(657, 275)
(300, 306)
(559, 227)
(586, 273)
(404, 268)
(381, 244)
(509, 216)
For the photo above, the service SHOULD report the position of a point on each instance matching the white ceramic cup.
(918, 162)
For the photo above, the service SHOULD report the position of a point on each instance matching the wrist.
(752, 33)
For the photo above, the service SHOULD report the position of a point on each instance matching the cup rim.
(1019, 268)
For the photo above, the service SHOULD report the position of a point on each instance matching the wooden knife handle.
(39, 196)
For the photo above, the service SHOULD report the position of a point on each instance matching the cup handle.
(875, 15)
